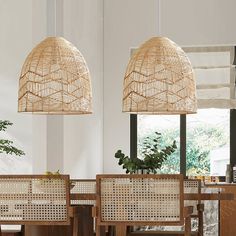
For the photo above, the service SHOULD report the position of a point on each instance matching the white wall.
(15, 43)
(83, 135)
(202, 22)
(89, 142)
(73, 144)
(23, 24)
(39, 128)
(127, 23)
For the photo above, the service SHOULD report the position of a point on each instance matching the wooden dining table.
(85, 218)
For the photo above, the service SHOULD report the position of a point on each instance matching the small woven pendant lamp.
(159, 80)
(55, 80)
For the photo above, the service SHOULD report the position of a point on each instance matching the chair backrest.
(84, 187)
(34, 199)
(192, 186)
(140, 199)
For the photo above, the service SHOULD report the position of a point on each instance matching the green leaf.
(4, 124)
(6, 146)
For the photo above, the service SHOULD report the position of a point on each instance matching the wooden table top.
(209, 196)
(187, 196)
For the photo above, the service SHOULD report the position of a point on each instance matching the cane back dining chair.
(190, 186)
(35, 200)
(83, 190)
(134, 200)
(82, 195)
(194, 186)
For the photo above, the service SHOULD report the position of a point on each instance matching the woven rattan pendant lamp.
(159, 80)
(55, 80)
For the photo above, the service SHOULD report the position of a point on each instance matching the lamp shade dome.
(159, 79)
(55, 80)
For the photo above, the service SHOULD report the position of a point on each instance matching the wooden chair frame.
(199, 207)
(83, 196)
(198, 213)
(121, 226)
(83, 192)
(30, 198)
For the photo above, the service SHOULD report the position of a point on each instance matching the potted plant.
(6, 146)
(153, 156)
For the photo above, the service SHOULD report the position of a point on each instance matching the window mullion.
(183, 145)
(232, 137)
(133, 135)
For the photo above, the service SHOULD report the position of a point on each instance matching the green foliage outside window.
(200, 141)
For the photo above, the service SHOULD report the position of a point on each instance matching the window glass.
(169, 127)
(208, 142)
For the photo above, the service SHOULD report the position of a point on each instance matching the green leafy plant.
(57, 174)
(6, 146)
(153, 156)
(50, 173)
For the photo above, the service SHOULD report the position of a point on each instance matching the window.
(207, 146)
(169, 128)
(207, 133)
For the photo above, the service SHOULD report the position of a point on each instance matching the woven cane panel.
(159, 79)
(86, 187)
(33, 199)
(55, 79)
(192, 186)
(138, 199)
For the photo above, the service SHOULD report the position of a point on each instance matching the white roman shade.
(215, 75)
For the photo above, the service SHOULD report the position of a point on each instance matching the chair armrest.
(200, 207)
(188, 210)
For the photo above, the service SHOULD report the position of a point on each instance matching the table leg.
(85, 221)
(121, 230)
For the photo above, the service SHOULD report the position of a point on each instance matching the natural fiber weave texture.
(37, 199)
(55, 80)
(159, 80)
(140, 199)
(192, 186)
(84, 187)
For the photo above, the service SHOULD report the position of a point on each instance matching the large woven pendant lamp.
(55, 80)
(159, 80)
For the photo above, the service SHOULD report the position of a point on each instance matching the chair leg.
(200, 223)
(22, 231)
(121, 230)
(111, 230)
(187, 228)
(0, 231)
(100, 230)
(200, 209)
(75, 227)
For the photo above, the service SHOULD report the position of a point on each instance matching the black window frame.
(183, 127)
